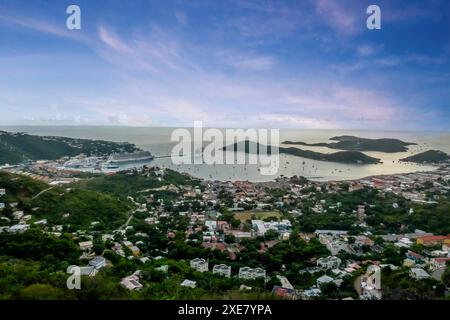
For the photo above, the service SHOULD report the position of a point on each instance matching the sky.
(280, 64)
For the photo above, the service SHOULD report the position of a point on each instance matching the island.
(348, 157)
(430, 156)
(20, 147)
(352, 143)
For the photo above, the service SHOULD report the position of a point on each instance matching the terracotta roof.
(432, 238)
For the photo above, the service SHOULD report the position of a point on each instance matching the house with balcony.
(199, 264)
(222, 269)
(251, 273)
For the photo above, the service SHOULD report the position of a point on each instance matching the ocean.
(157, 141)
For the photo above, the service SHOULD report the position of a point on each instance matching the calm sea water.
(157, 141)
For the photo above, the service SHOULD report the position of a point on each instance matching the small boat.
(111, 166)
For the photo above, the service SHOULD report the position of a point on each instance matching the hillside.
(19, 147)
(126, 183)
(51, 203)
(351, 157)
(430, 156)
(352, 143)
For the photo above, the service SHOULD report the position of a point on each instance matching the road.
(43, 191)
(131, 214)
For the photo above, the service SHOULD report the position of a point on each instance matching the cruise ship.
(122, 158)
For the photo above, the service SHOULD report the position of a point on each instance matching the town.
(381, 237)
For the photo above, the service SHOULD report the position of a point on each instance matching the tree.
(40, 291)
(229, 238)
(271, 235)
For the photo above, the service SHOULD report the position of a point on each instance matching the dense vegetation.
(51, 203)
(398, 285)
(352, 143)
(19, 147)
(126, 183)
(380, 212)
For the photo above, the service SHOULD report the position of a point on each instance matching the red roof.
(442, 259)
(432, 238)
(232, 255)
(220, 247)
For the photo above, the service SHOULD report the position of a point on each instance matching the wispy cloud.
(42, 26)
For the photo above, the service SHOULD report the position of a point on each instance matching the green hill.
(430, 156)
(135, 183)
(19, 147)
(83, 206)
(351, 157)
(352, 143)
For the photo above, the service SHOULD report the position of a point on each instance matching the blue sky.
(283, 64)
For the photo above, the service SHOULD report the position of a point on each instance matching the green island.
(430, 156)
(352, 143)
(350, 157)
(19, 147)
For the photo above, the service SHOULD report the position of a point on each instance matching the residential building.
(432, 240)
(418, 274)
(414, 256)
(86, 245)
(222, 269)
(286, 293)
(439, 262)
(98, 262)
(131, 282)
(199, 264)
(331, 232)
(18, 215)
(89, 271)
(189, 283)
(331, 262)
(261, 227)
(324, 280)
(311, 293)
(250, 273)
(163, 268)
(18, 228)
(285, 282)
(135, 250)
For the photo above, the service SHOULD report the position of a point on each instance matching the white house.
(86, 245)
(331, 262)
(18, 228)
(88, 271)
(18, 214)
(98, 262)
(324, 279)
(418, 274)
(250, 273)
(222, 269)
(211, 225)
(188, 283)
(199, 264)
(2, 191)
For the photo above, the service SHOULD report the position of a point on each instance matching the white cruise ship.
(122, 158)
